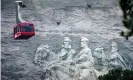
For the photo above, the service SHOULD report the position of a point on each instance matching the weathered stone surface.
(101, 24)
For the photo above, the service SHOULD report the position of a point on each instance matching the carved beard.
(114, 49)
(67, 46)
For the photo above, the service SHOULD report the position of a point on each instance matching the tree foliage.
(127, 8)
(117, 74)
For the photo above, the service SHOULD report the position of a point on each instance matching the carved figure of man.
(117, 60)
(84, 61)
(66, 52)
(100, 61)
(85, 54)
(62, 65)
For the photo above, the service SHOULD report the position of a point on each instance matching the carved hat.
(67, 39)
(114, 44)
(84, 39)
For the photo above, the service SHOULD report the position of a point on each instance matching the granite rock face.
(101, 24)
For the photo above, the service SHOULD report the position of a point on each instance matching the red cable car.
(24, 31)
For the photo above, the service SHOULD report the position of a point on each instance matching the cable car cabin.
(24, 31)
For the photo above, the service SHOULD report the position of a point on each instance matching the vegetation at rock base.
(117, 74)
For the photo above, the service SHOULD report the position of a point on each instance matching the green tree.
(127, 8)
(117, 74)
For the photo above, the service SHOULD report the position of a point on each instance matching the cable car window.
(28, 28)
(18, 29)
(15, 30)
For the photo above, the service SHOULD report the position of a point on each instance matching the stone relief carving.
(84, 61)
(100, 61)
(62, 66)
(66, 52)
(44, 55)
(70, 65)
(117, 60)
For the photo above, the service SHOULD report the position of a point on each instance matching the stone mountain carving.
(84, 61)
(100, 61)
(117, 60)
(44, 55)
(85, 65)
